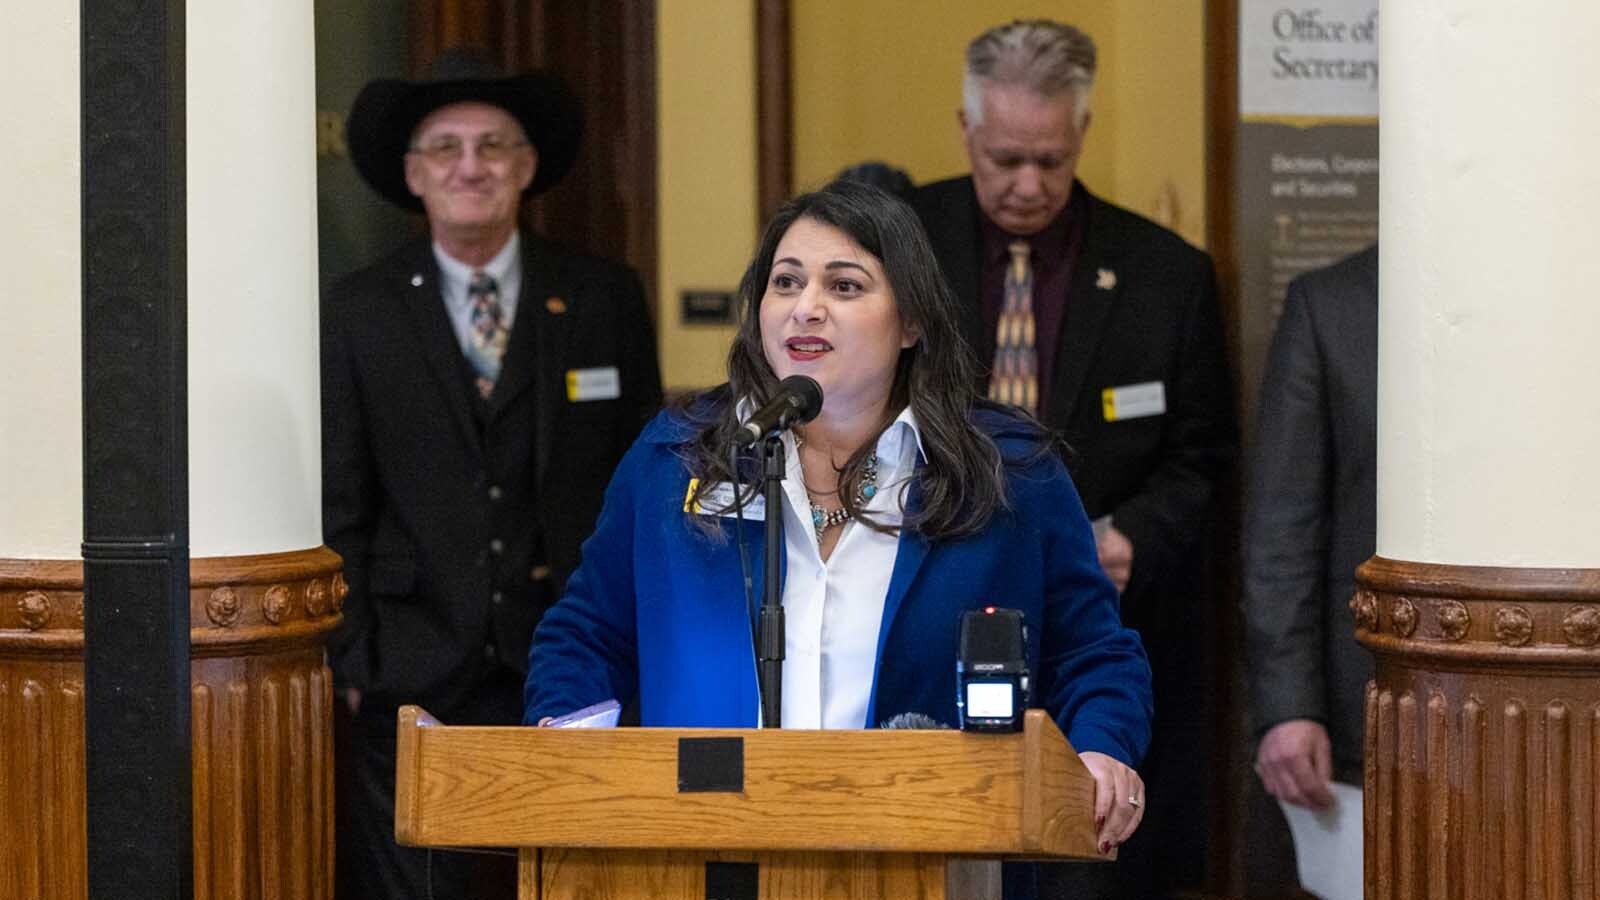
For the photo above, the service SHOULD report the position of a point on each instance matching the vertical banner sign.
(1306, 181)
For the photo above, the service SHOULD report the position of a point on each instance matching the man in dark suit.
(1311, 520)
(1106, 326)
(479, 385)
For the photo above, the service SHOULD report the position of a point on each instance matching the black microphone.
(797, 401)
(992, 688)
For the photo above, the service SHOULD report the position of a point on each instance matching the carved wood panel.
(606, 50)
(261, 705)
(1483, 731)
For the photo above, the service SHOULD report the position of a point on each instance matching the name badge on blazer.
(718, 501)
(600, 383)
(1134, 401)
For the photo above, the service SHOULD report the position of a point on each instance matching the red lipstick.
(802, 348)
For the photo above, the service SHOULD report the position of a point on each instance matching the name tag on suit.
(600, 383)
(718, 501)
(1134, 401)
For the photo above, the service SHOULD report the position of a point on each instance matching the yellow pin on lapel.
(555, 305)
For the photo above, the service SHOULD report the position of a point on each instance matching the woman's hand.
(1118, 799)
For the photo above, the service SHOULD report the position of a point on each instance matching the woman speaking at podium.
(907, 501)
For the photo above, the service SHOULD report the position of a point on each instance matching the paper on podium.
(604, 714)
(1327, 845)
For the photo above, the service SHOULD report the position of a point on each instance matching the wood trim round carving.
(1581, 625)
(316, 598)
(275, 604)
(1404, 616)
(235, 602)
(33, 608)
(223, 607)
(1513, 626)
(1364, 606)
(1478, 615)
(1454, 619)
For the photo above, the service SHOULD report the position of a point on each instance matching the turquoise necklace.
(824, 519)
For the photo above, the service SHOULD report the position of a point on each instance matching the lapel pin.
(555, 305)
(416, 279)
(1105, 279)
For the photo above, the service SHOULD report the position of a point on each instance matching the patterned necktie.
(1015, 378)
(486, 343)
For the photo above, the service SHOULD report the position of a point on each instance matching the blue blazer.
(657, 609)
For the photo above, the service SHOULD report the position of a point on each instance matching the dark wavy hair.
(963, 483)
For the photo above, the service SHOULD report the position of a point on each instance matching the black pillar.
(135, 453)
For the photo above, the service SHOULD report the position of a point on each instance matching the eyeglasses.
(447, 151)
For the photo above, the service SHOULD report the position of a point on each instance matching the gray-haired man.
(1125, 355)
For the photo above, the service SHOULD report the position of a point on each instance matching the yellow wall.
(706, 172)
(882, 80)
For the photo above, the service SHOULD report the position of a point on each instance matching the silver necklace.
(824, 519)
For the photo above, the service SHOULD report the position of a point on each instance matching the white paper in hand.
(1327, 845)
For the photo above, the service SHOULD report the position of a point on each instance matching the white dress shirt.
(833, 610)
(455, 277)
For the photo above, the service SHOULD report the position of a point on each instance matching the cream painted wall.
(706, 172)
(41, 449)
(883, 80)
(253, 404)
(1489, 392)
(254, 409)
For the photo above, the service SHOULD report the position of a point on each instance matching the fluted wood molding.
(261, 724)
(1482, 732)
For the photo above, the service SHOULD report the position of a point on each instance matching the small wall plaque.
(708, 307)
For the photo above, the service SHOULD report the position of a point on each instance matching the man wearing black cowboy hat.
(479, 385)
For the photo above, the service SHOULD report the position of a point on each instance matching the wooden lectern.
(674, 813)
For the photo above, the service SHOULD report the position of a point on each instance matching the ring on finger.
(1135, 802)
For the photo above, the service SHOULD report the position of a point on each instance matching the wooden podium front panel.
(882, 791)
(574, 874)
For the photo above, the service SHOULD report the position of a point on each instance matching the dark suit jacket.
(1142, 308)
(459, 519)
(1312, 513)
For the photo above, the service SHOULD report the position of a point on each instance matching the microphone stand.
(770, 640)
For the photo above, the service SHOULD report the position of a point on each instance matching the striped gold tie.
(1015, 377)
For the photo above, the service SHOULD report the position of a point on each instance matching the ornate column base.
(262, 726)
(1483, 731)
